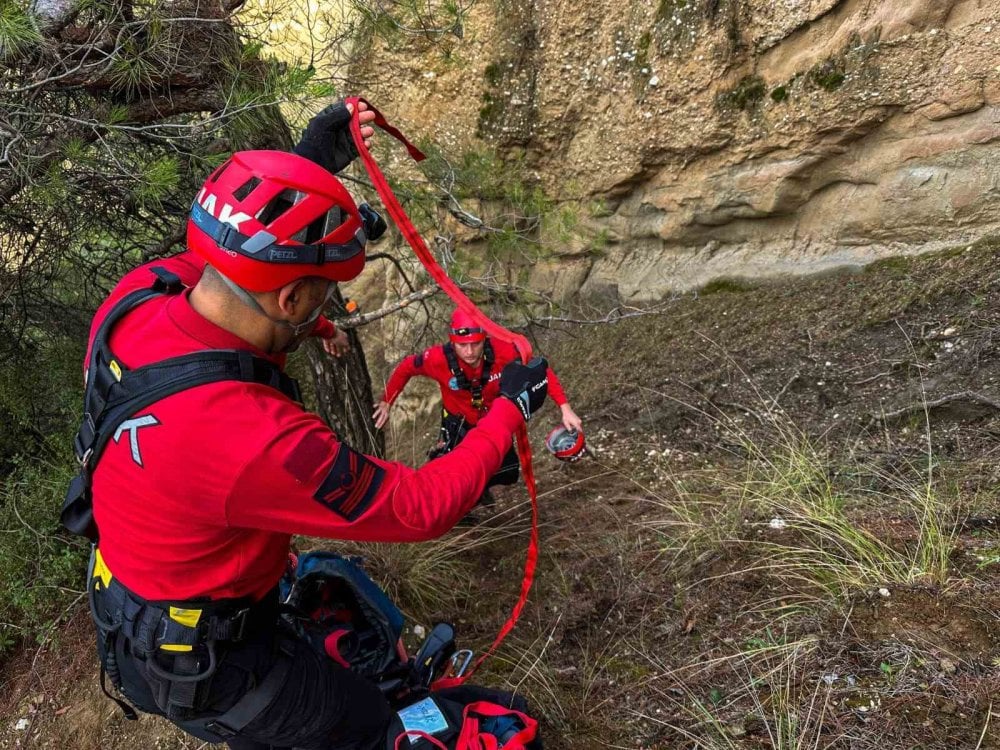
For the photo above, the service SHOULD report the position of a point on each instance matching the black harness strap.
(114, 393)
(462, 380)
(251, 705)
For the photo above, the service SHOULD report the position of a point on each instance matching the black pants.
(321, 706)
(453, 431)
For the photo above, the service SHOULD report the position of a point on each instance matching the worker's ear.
(292, 296)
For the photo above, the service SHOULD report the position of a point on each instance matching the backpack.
(331, 602)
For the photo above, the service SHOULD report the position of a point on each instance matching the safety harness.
(175, 641)
(492, 329)
(462, 380)
(115, 393)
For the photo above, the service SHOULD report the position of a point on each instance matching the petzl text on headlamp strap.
(493, 329)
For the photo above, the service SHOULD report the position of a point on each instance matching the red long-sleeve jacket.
(432, 363)
(202, 499)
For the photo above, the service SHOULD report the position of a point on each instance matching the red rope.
(495, 330)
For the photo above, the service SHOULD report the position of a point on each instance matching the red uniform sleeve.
(556, 392)
(304, 481)
(325, 329)
(424, 364)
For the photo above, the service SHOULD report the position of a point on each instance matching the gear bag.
(332, 603)
(464, 718)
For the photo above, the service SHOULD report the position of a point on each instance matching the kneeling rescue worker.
(199, 461)
(468, 370)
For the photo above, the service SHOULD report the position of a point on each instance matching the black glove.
(526, 385)
(327, 139)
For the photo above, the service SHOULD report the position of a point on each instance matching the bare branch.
(361, 319)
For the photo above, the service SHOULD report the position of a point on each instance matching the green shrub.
(41, 568)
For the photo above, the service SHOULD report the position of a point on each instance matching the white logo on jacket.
(133, 426)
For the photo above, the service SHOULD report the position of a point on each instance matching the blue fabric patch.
(453, 384)
(423, 716)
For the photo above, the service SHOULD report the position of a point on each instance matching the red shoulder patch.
(311, 452)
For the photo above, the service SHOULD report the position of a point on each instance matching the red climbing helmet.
(465, 329)
(566, 445)
(266, 218)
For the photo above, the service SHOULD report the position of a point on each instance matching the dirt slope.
(669, 611)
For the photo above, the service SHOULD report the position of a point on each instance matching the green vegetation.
(748, 92)
(828, 75)
(413, 20)
(41, 568)
(779, 94)
(820, 552)
(726, 286)
(505, 205)
(18, 33)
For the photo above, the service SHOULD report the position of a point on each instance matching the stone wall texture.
(724, 138)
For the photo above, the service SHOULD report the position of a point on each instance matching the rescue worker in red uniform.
(467, 370)
(195, 496)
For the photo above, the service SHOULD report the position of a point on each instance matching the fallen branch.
(361, 319)
(785, 387)
(976, 398)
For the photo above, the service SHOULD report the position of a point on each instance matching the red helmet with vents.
(266, 218)
(566, 445)
(465, 329)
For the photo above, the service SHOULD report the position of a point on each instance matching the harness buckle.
(223, 730)
(85, 457)
(238, 623)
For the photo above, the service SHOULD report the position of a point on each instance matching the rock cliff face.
(714, 138)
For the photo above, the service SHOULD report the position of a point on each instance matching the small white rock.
(654, 81)
(21, 725)
(777, 523)
(419, 631)
(883, 592)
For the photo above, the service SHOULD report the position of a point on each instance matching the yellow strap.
(186, 617)
(101, 569)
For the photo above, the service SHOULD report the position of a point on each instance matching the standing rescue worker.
(467, 369)
(199, 461)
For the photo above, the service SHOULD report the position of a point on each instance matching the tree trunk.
(344, 393)
(343, 384)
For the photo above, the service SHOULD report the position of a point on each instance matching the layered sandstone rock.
(724, 138)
